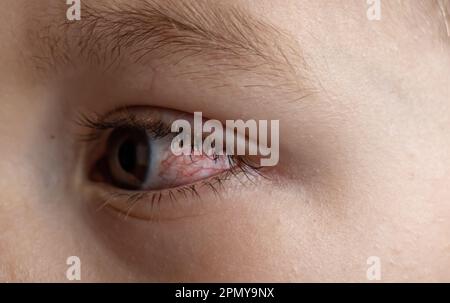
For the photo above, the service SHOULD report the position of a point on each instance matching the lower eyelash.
(241, 167)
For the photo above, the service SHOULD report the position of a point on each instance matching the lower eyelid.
(193, 200)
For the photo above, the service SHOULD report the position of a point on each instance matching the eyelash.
(98, 125)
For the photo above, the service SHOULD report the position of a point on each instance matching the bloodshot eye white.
(236, 142)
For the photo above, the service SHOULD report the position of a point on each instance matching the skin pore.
(364, 161)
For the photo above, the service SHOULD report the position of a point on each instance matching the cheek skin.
(181, 170)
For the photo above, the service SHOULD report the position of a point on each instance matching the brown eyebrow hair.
(219, 35)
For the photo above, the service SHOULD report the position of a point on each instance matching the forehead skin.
(364, 164)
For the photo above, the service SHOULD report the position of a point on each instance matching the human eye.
(132, 169)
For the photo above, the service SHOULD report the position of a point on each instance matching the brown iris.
(128, 157)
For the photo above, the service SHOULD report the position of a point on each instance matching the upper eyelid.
(125, 117)
(99, 123)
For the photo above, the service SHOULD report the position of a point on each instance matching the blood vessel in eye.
(179, 170)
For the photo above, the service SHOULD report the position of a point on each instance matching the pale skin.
(364, 111)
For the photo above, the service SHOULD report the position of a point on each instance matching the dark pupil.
(129, 157)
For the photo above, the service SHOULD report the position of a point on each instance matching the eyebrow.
(219, 36)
